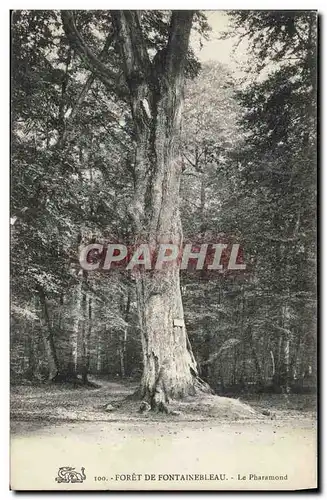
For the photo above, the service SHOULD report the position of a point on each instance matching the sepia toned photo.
(163, 200)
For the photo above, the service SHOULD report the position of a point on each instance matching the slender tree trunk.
(87, 331)
(258, 369)
(286, 338)
(297, 355)
(123, 336)
(122, 354)
(203, 203)
(72, 367)
(242, 349)
(273, 369)
(33, 372)
(29, 359)
(99, 353)
(49, 344)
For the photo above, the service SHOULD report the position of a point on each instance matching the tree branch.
(83, 93)
(188, 159)
(109, 78)
(177, 47)
(137, 63)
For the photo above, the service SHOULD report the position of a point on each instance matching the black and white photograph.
(163, 250)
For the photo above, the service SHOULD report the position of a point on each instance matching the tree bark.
(169, 367)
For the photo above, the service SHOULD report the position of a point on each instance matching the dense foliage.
(249, 173)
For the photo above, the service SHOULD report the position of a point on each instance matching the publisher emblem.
(70, 475)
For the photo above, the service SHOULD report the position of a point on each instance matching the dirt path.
(110, 451)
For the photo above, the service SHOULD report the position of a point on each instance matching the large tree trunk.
(154, 91)
(156, 99)
(170, 369)
(169, 366)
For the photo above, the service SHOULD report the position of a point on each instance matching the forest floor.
(58, 402)
(276, 434)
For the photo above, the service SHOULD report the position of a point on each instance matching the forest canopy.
(119, 131)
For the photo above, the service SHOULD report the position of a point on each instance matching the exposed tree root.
(160, 400)
(201, 386)
(197, 407)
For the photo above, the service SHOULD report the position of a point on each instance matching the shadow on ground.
(59, 402)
